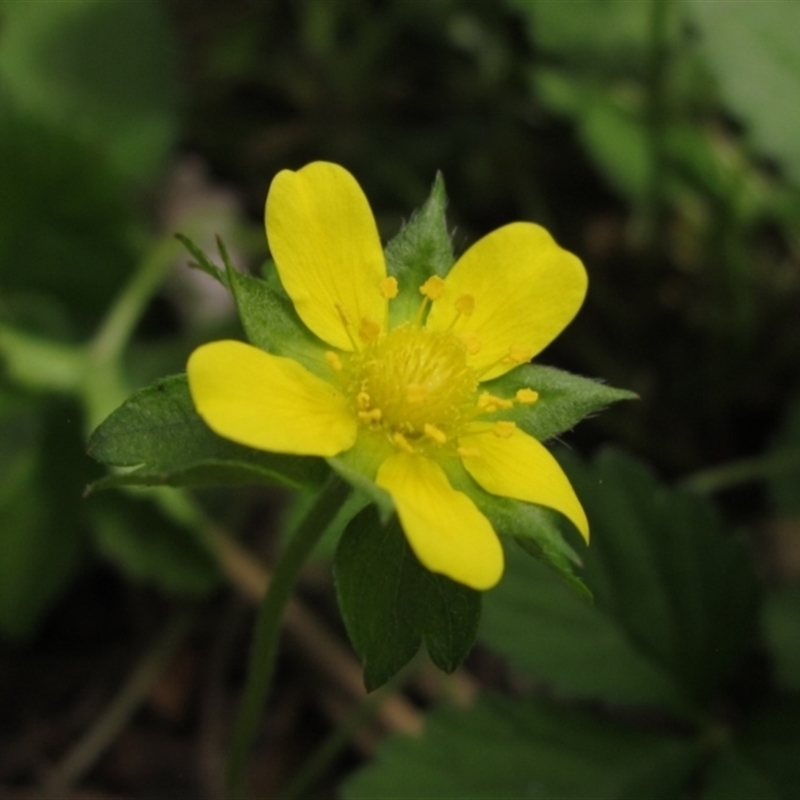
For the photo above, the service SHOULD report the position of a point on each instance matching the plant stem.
(734, 473)
(267, 627)
(117, 328)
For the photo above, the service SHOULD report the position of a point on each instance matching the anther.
(373, 415)
(432, 432)
(363, 400)
(468, 452)
(432, 288)
(488, 403)
(517, 354)
(333, 360)
(504, 430)
(465, 305)
(471, 342)
(389, 288)
(526, 396)
(368, 330)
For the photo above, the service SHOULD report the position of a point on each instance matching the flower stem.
(726, 476)
(267, 627)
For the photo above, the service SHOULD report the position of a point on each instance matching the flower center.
(414, 383)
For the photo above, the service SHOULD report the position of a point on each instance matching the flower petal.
(520, 467)
(267, 402)
(444, 527)
(526, 290)
(326, 247)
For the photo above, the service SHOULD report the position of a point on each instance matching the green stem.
(267, 627)
(118, 326)
(726, 476)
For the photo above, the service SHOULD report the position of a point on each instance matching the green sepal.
(271, 323)
(202, 261)
(564, 399)
(422, 249)
(158, 431)
(391, 604)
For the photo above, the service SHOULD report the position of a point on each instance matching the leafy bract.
(422, 249)
(158, 431)
(505, 749)
(660, 569)
(391, 604)
(564, 399)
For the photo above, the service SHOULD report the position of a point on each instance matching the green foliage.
(158, 431)
(101, 71)
(42, 538)
(511, 749)
(780, 615)
(391, 604)
(662, 649)
(753, 53)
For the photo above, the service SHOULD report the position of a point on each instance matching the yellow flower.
(399, 401)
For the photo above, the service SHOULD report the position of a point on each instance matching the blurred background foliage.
(659, 140)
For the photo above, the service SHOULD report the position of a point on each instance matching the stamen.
(517, 354)
(504, 430)
(526, 396)
(363, 400)
(374, 415)
(368, 330)
(389, 288)
(432, 432)
(432, 288)
(468, 452)
(488, 403)
(416, 393)
(471, 342)
(345, 318)
(400, 441)
(465, 305)
(333, 360)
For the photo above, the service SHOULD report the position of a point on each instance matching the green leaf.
(271, 323)
(752, 47)
(564, 399)
(390, 603)
(781, 623)
(102, 71)
(504, 749)
(70, 245)
(158, 431)
(546, 631)
(421, 249)
(42, 539)
(663, 568)
(771, 743)
(733, 777)
(130, 532)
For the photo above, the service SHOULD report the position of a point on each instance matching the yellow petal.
(327, 250)
(444, 527)
(267, 402)
(520, 467)
(526, 290)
